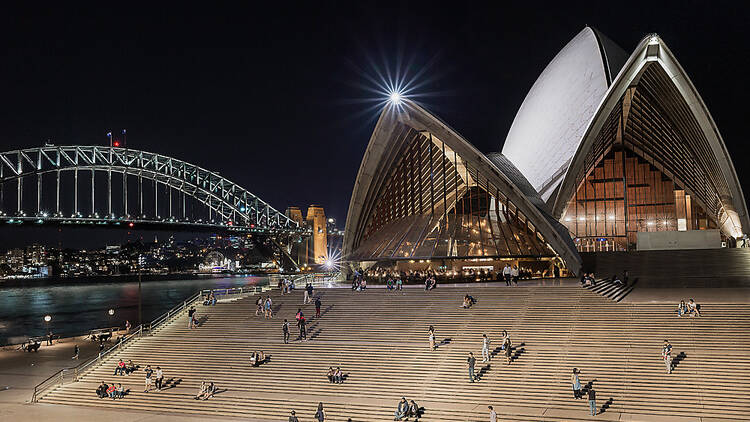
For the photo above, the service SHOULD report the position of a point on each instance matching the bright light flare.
(395, 98)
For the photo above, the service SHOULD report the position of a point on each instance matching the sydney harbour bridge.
(116, 187)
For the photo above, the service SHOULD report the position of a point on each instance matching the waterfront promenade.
(379, 338)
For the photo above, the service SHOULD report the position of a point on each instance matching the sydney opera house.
(608, 152)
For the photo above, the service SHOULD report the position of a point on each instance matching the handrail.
(59, 377)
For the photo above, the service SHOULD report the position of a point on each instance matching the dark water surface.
(77, 306)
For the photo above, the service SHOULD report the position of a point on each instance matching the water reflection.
(77, 307)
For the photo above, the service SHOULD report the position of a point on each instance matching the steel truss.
(231, 204)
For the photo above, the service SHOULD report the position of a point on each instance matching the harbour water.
(79, 305)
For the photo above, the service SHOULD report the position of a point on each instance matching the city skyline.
(269, 92)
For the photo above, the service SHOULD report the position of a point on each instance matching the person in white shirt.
(506, 274)
(493, 414)
(514, 274)
(485, 348)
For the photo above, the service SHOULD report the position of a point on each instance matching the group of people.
(394, 284)
(690, 308)
(112, 391)
(510, 274)
(506, 346)
(257, 358)
(469, 301)
(206, 391)
(407, 409)
(335, 376)
(153, 379)
(320, 415)
(578, 394)
(264, 307)
(286, 285)
(308, 294)
(430, 283)
(301, 324)
(588, 279)
(123, 368)
(359, 284)
(209, 299)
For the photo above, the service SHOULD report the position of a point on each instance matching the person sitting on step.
(130, 367)
(120, 391)
(112, 391)
(693, 308)
(616, 280)
(206, 390)
(401, 410)
(338, 376)
(681, 308)
(101, 390)
(331, 374)
(413, 411)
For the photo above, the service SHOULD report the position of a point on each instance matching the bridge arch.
(227, 203)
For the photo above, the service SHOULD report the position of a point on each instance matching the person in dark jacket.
(471, 360)
(285, 329)
(317, 307)
(592, 401)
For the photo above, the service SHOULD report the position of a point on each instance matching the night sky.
(280, 101)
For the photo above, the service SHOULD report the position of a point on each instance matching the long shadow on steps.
(606, 405)
(202, 320)
(587, 387)
(446, 341)
(171, 383)
(485, 369)
(518, 351)
(677, 359)
(315, 334)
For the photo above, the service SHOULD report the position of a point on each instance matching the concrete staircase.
(379, 339)
(610, 290)
(726, 267)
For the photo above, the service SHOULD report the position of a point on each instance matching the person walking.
(493, 414)
(576, 383)
(320, 414)
(485, 348)
(317, 307)
(76, 352)
(49, 338)
(508, 347)
(191, 312)
(592, 401)
(159, 378)
(269, 309)
(258, 305)
(666, 354)
(431, 332)
(285, 329)
(506, 274)
(309, 293)
(471, 360)
(302, 329)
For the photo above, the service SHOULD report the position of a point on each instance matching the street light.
(47, 319)
(110, 312)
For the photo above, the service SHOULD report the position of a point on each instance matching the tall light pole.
(47, 319)
(110, 312)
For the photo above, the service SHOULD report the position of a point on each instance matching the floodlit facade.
(604, 147)
(424, 193)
